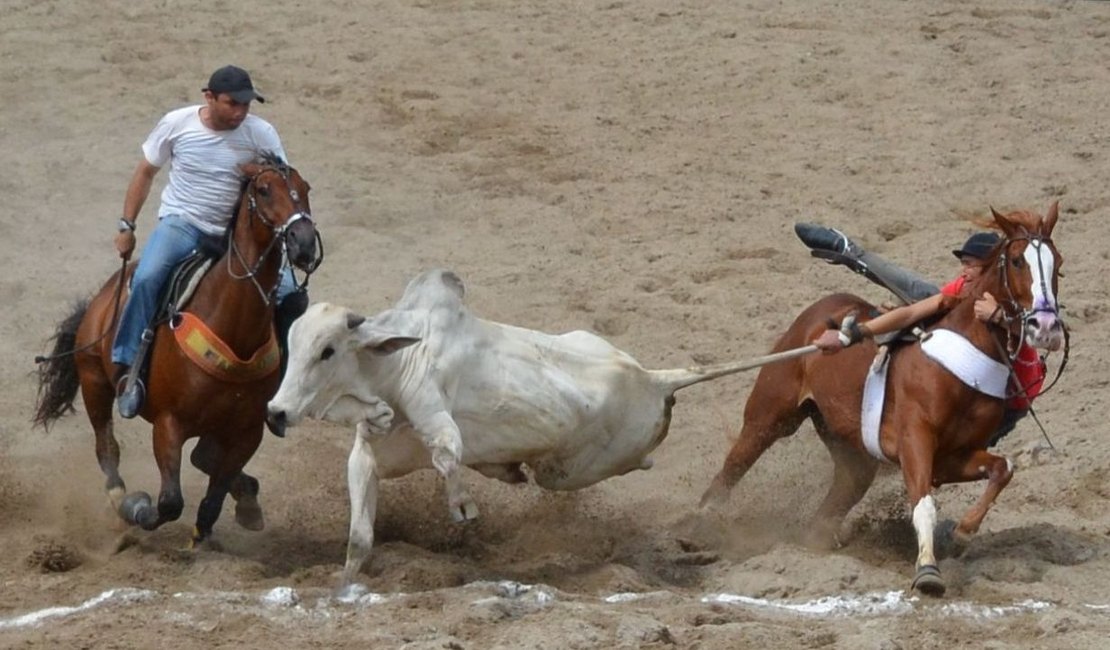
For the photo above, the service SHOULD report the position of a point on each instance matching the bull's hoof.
(948, 541)
(929, 582)
(248, 514)
(715, 496)
(350, 591)
(464, 512)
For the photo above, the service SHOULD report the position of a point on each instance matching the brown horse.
(935, 426)
(235, 300)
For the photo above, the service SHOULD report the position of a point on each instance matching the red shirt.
(1029, 369)
(954, 287)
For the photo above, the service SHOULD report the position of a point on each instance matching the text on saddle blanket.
(213, 356)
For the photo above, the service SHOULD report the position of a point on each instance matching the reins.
(1016, 314)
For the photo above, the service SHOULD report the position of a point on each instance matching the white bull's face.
(324, 366)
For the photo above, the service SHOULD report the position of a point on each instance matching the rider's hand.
(125, 244)
(830, 342)
(986, 308)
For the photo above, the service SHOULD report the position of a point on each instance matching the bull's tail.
(58, 382)
(683, 377)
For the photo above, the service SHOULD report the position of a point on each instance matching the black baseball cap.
(978, 245)
(234, 81)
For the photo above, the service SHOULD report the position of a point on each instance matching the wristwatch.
(125, 225)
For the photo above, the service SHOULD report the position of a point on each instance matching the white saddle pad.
(970, 364)
(874, 393)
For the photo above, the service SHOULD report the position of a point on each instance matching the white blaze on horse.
(428, 384)
(937, 417)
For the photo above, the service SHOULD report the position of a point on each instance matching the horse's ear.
(250, 170)
(1003, 222)
(1050, 219)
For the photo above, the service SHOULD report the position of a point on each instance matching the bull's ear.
(382, 334)
(383, 344)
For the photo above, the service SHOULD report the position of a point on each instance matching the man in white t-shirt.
(204, 145)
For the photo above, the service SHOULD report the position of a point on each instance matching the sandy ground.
(631, 168)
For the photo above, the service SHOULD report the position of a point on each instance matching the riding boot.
(287, 311)
(1010, 418)
(820, 238)
(131, 393)
(835, 247)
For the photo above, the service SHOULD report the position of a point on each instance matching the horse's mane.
(1030, 221)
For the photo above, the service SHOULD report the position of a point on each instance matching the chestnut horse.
(235, 299)
(933, 425)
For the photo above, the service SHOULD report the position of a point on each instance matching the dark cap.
(234, 81)
(978, 245)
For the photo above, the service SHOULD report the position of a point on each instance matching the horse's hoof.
(249, 516)
(200, 542)
(948, 541)
(116, 496)
(821, 539)
(133, 505)
(928, 581)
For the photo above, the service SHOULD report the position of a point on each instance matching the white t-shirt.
(204, 178)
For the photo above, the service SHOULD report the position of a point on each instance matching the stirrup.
(130, 399)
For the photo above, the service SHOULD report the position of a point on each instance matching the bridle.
(279, 234)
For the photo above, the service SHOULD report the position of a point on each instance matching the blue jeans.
(172, 240)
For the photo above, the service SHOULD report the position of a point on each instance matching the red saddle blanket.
(208, 351)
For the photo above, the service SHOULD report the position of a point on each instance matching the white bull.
(428, 384)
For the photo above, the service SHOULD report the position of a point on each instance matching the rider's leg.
(170, 242)
(905, 283)
(292, 301)
(837, 248)
(1010, 418)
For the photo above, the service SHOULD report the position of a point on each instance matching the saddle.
(180, 287)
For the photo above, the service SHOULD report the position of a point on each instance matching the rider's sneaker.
(827, 239)
(130, 396)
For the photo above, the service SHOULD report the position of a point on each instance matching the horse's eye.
(263, 191)
(1018, 262)
(326, 354)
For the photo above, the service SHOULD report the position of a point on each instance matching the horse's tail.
(681, 378)
(58, 382)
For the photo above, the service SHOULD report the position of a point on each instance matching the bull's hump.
(437, 287)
